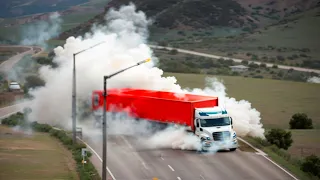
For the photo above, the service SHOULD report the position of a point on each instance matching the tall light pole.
(74, 113)
(104, 121)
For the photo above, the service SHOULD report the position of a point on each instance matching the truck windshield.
(215, 122)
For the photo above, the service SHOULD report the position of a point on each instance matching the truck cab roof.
(213, 111)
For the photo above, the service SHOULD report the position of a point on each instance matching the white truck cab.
(215, 129)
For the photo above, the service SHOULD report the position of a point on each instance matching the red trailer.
(160, 106)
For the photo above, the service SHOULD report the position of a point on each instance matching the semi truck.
(199, 114)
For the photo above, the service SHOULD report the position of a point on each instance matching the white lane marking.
(178, 178)
(170, 167)
(256, 149)
(202, 177)
(112, 176)
(134, 153)
(144, 165)
(281, 168)
(162, 158)
(265, 156)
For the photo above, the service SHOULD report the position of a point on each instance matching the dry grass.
(306, 142)
(35, 156)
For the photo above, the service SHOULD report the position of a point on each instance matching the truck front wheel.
(233, 149)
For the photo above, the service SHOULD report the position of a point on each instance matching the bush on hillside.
(311, 164)
(47, 61)
(300, 121)
(173, 52)
(41, 127)
(253, 66)
(280, 138)
(14, 120)
(33, 82)
(245, 62)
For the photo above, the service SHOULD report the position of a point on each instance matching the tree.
(280, 138)
(300, 121)
(311, 164)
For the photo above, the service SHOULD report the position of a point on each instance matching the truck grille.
(220, 136)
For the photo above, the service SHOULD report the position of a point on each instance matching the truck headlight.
(234, 135)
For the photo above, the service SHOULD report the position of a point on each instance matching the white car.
(14, 86)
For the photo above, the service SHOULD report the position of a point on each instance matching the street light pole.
(74, 111)
(74, 101)
(104, 121)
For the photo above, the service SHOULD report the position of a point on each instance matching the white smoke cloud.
(125, 36)
(314, 79)
(40, 32)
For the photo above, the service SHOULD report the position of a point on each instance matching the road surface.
(128, 159)
(8, 64)
(236, 60)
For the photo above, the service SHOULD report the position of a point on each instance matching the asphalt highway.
(127, 159)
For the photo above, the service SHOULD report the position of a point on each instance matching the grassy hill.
(291, 41)
(217, 18)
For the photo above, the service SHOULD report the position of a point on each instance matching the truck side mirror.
(197, 124)
(231, 120)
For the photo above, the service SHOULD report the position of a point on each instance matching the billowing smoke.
(41, 31)
(314, 79)
(125, 36)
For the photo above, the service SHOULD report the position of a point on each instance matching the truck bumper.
(220, 145)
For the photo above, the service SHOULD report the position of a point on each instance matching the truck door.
(197, 126)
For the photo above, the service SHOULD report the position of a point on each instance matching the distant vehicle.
(14, 86)
(200, 114)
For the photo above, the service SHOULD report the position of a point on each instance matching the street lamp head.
(147, 60)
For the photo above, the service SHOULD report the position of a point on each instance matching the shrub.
(263, 65)
(254, 57)
(300, 121)
(280, 58)
(311, 164)
(34, 81)
(253, 66)
(258, 76)
(245, 62)
(262, 142)
(280, 138)
(280, 152)
(173, 52)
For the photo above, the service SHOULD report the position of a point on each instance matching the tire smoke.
(126, 37)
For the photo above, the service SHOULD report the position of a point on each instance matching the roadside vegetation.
(85, 172)
(279, 140)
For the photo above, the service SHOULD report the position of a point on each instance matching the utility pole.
(74, 105)
(104, 121)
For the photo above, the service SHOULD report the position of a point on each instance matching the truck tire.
(233, 149)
